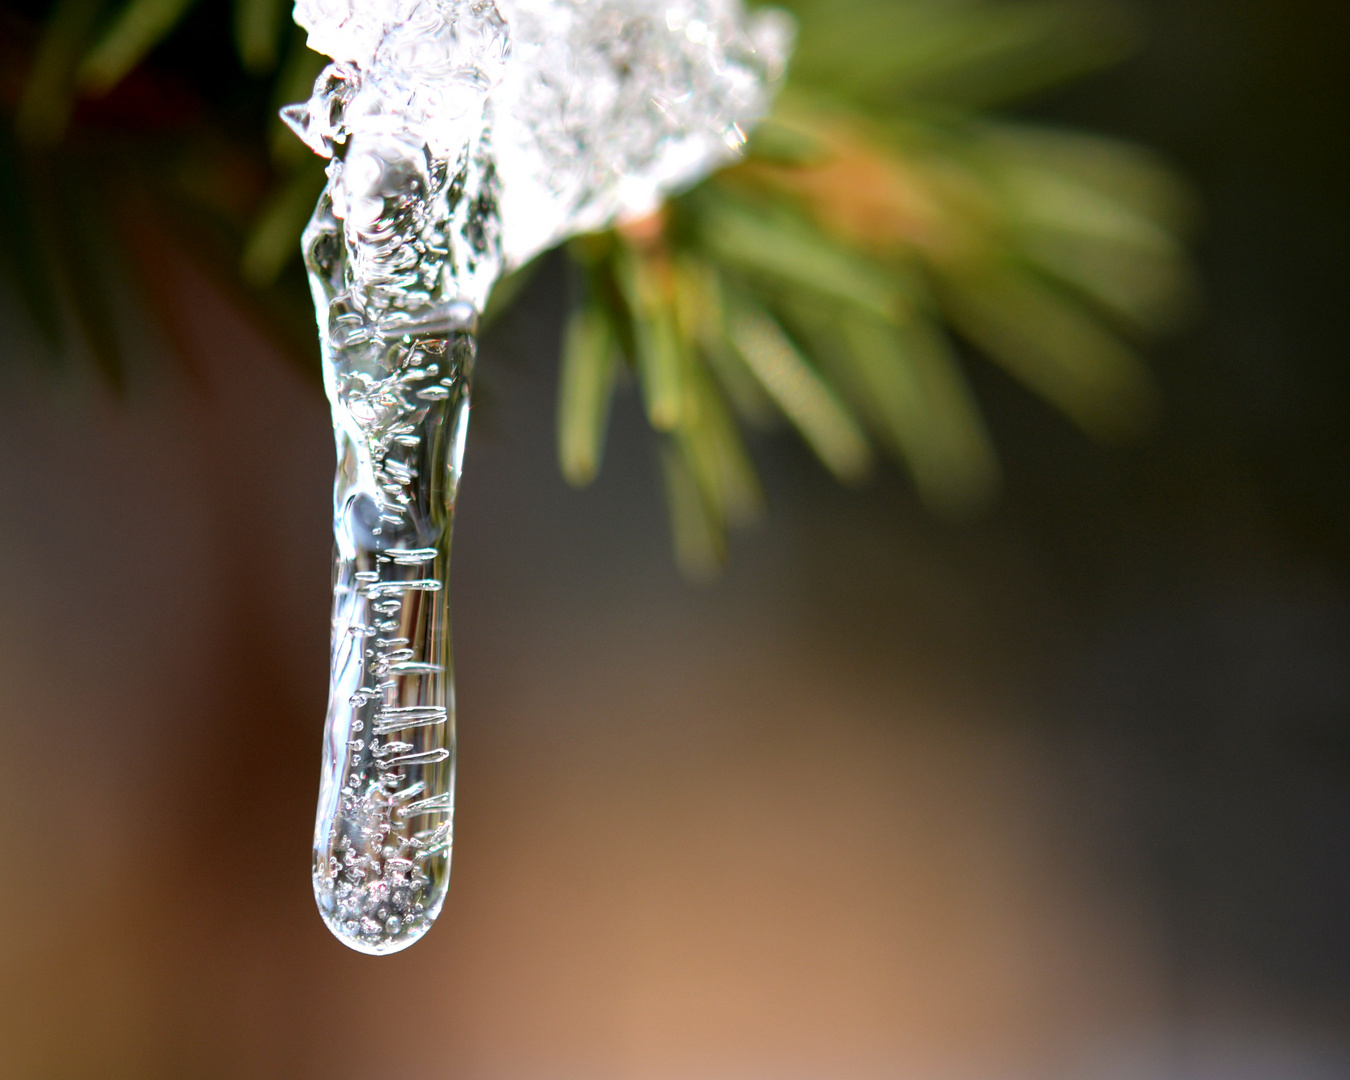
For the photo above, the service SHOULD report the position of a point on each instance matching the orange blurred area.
(696, 836)
(789, 825)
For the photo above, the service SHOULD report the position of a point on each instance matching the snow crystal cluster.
(530, 120)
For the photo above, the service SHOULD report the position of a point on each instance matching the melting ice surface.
(464, 137)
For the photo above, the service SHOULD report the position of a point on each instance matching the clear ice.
(463, 137)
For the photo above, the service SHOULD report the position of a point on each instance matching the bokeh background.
(1062, 793)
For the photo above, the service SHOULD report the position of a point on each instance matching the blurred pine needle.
(881, 215)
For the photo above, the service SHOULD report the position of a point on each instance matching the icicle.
(464, 137)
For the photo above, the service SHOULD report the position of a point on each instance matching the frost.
(557, 117)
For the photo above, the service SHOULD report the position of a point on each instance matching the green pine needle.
(135, 30)
(586, 387)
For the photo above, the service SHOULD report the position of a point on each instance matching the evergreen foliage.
(884, 223)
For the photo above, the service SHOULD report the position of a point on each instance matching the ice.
(566, 114)
(463, 138)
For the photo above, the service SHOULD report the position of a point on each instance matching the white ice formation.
(585, 110)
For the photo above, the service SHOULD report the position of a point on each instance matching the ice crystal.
(582, 111)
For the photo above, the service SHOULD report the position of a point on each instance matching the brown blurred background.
(1062, 794)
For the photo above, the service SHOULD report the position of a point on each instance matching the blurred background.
(1062, 791)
